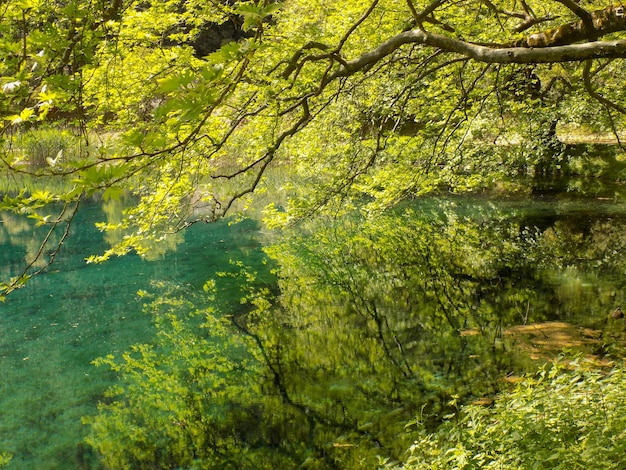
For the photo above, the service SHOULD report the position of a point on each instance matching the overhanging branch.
(584, 15)
(504, 55)
(593, 25)
(597, 96)
(562, 44)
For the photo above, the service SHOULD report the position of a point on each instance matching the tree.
(379, 320)
(382, 100)
(366, 104)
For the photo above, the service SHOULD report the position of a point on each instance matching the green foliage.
(555, 418)
(179, 397)
(255, 15)
(378, 320)
(43, 147)
(5, 459)
(375, 306)
(373, 317)
(409, 124)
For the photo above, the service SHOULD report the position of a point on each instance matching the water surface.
(63, 319)
(549, 254)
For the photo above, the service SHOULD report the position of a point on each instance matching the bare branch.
(527, 9)
(528, 17)
(530, 22)
(491, 6)
(268, 157)
(18, 281)
(552, 46)
(416, 15)
(422, 15)
(296, 60)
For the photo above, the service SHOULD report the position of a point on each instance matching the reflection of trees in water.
(25, 239)
(375, 313)
(379, 322)
(580, 258)
(370, 333)
(117, 230)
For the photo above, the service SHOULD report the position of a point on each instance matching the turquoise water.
(569, 247)
(53, 328)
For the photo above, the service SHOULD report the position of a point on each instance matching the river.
(486, 262)
(53, 328)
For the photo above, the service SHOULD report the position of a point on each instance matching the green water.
(52, 329)
(550, 255)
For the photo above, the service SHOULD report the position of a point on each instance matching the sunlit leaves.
(40, 39)
(403, 128)
(554, 419)
(23, 204)
(196, 132)
(174, 82)
(254, 15)
(112, 193)
(97, 177)
(12, 284)
(23, 117)
(229, 52)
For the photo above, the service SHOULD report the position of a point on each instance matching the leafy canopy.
(384, 100)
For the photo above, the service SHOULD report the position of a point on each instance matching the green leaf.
(113, 193)
(175, 82)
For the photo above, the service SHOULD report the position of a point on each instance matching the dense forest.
(329, 124)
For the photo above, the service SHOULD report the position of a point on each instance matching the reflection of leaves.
(173, 402)
(379, 320)
(373, 312)
(597, 244)
(583, 262)
(378, 310)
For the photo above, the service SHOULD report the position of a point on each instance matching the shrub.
(557, 418)
(40, 146)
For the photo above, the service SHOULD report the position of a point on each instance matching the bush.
(40, 146)
(555, 419)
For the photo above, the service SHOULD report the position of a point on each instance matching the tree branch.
(528, 17)
(599, 23)
(295, 63)
(494, 55)
(356, 25)
(422, 15)
(18, 282)
(530, 22)
(267, 158)
(595, 95)
(579, 11)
